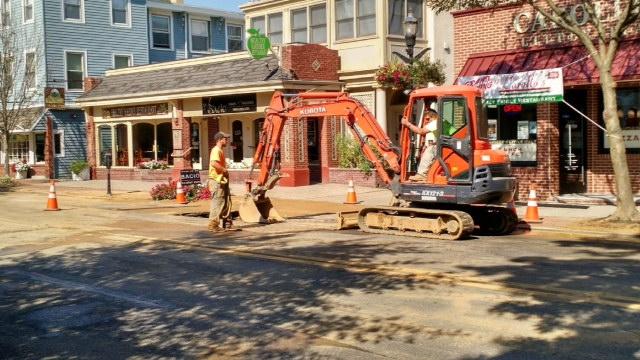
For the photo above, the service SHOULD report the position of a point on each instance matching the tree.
(601, 38)
(18, 73)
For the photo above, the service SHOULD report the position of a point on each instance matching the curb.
(605, 237)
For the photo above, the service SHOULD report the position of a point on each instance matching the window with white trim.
(18, 148)
(121, 61)
(355, 18)
(120, 12)
(299, 31)
(234, 38)
(274, 23)
(75, 70)
(40, 141)
(258, 23)
(58, 144)
(318, 15)
(309, 24)
(6, 13)
(27, 10)
(398, 10)
(200, 36)
(161, 31)
(30, 70)
(72, 10)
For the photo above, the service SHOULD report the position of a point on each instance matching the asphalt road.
(126, 278)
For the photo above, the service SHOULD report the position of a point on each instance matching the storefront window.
(142, 143)
(122, 148)
(628, 105)
(19, 148)
(195, 142)
(104, 141)
(514, 129)
(628, 113)
(165, 142)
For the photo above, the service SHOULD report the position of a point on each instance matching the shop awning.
(625, 67)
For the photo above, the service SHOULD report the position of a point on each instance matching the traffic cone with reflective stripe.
(532, 216)
(351, 194)
(180, 197)
(52, 201)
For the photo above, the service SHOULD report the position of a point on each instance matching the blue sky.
(231, 5)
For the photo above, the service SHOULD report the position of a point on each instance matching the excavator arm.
(374, 142)
(362, 124)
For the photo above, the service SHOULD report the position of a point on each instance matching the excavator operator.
(429, 131)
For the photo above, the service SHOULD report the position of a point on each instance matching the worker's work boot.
(417, 177)
(214, 226)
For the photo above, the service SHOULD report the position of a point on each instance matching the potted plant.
(22, 170)
(80, 170)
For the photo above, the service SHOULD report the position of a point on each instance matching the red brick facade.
(485, 31)
(311, 62)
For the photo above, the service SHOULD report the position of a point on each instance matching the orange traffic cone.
(180, 197)
(531, 216)
(351, 194)
(52, 202)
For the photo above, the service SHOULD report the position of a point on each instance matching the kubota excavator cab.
(465, 170)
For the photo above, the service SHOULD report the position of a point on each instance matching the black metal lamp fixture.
(410, 32)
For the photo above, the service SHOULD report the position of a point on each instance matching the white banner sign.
(631, 139)
(528, 87)
(518, 150)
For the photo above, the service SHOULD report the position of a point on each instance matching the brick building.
(552, 147)
(170, 112)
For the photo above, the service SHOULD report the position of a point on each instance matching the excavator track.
(426, 223)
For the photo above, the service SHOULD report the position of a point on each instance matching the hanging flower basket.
(395, 76)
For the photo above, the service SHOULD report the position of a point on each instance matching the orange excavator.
(466, 185)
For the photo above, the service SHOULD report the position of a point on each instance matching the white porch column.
(381, 108)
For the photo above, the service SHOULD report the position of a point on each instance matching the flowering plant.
(394, 75)
(167, 191)
(153, 165)
(419, 74)
(21, 166)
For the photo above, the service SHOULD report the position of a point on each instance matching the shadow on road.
(157, 300)
(580, 329)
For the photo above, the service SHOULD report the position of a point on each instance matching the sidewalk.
(555, 216)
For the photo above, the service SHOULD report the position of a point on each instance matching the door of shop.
(313, 150)
(573, 144)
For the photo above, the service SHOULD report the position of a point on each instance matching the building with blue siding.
(73, 40)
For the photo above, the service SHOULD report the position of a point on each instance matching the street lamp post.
(410, 32)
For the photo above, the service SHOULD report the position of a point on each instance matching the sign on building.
(54, 98)
(135, 111)
(529, 87)
(190, 177)
(258, 44)
(229, 104)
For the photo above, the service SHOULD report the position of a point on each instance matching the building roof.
(28, 118)
(188, 76)
(195, 10)
(578, 68)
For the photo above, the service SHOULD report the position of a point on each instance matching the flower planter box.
(84, 175)
(360, 178)
(21, 174)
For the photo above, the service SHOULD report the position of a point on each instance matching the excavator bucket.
(258, 211)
